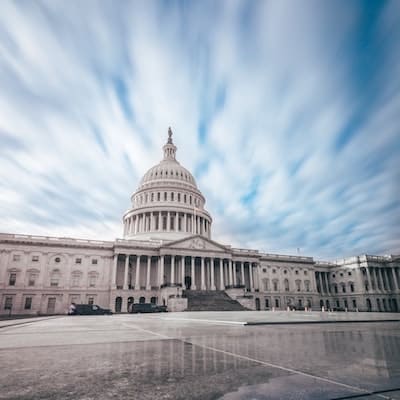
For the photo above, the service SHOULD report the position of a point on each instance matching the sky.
(286, 112)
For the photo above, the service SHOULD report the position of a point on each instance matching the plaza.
(201, 355)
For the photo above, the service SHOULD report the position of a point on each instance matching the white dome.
(167, 204)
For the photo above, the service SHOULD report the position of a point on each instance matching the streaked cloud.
(287, 113)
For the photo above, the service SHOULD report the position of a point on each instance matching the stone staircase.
(211, 300)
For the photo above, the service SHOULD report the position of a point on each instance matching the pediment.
(196, 242)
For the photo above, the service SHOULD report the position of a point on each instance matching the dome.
(167, 204)
(168, 169)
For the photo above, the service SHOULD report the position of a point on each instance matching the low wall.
(177, 304)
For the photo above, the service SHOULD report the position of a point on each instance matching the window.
(35, 258)
(152, 197)
(165, 196)
(78, 260)
(184, 198)
(285, 272)
(54, 281)
(31, 279)
(336, 289)
(349, 273)
(354, 303)
(190, 199)
(264, 270)
(305, 272)
(298, 286)
(274, 271)
(76, 280)
(28, 303)
(296, 272)
(172, 196)
(90, 300)
(333, 275)
(8, 303)
(16, 257)
(158, 196)
(266, 284)
(351, 287)
(307, 285)
(346, 305)
(277, 303)
(266, 303)
(341, 274)
(343, 288)
(286, 283)
(92, 280)
(179, 197)
(57, 259)
(275, 286)
(12, 279)
(94, 261)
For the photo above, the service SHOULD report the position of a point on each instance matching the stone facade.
(166, 249)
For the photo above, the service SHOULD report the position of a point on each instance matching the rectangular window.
(12, 280)
(92, 280)
(75, 280)
(91, 300)
(35, 258)
(94, 261)
(28, 303)
(158, 196)
(54, 282)
(8, 303)
(16, 257)
(165, 196)
(266, 303)
(179, 197)
(184, 198)
(172, 196)
(31, 280)
(277, 303)
(78, 260)
(354, 303)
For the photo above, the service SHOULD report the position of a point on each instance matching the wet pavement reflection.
(199, 361)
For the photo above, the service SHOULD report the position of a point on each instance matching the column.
(251, 277)
(168, 221)
(381, 279)
(198, 225)
(183, 271)
(135, 225)
(242, 272)
(114, 272)
(395, 281)
(148, 287)
(389, 287)
(221, 274)
(193, 275)
(234, 272)
(126, 272)
(327, 283)
(320, 282)
(172, 269)
(161, 279)
(203, 284)
(151, 221)
(185, 222)
(137, 273)
(212, 275)
(176, 222)
(230, 272)
(368, 279)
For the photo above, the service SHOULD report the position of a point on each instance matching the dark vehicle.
(338, 309)
(90, 309)
(146, 308)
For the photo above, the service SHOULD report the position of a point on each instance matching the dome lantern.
(169, 148)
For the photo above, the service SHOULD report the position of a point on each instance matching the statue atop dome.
(170, 135)
(169, 148)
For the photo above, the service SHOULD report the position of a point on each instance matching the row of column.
(169, 221)
(230, 273)
(377, 279)
(382, 279)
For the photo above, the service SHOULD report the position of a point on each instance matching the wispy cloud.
(287, 113)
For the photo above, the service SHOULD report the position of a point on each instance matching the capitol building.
(168, 256)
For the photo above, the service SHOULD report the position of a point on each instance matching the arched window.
(298, 285)
(55, 277)
(307, 285)
(153, 300)
(275, 284)
(351, 287)
(142, 300)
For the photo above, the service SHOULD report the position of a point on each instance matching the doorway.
(51, 305)
(188, 282)
(258, 308)
(118, 304)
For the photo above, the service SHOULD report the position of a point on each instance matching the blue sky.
(286, 112)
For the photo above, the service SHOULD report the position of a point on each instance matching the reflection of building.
(167, 247)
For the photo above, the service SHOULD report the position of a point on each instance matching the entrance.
(188, 282)
(51, 305)
(129, 304)
(258, 304)
(118, 304)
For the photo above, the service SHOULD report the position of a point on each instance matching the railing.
(54, 239)
(153, 243)
(283, 257)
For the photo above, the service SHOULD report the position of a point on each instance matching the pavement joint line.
(204, 320)
(17, 324)
(255, 323)
(354, 388)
